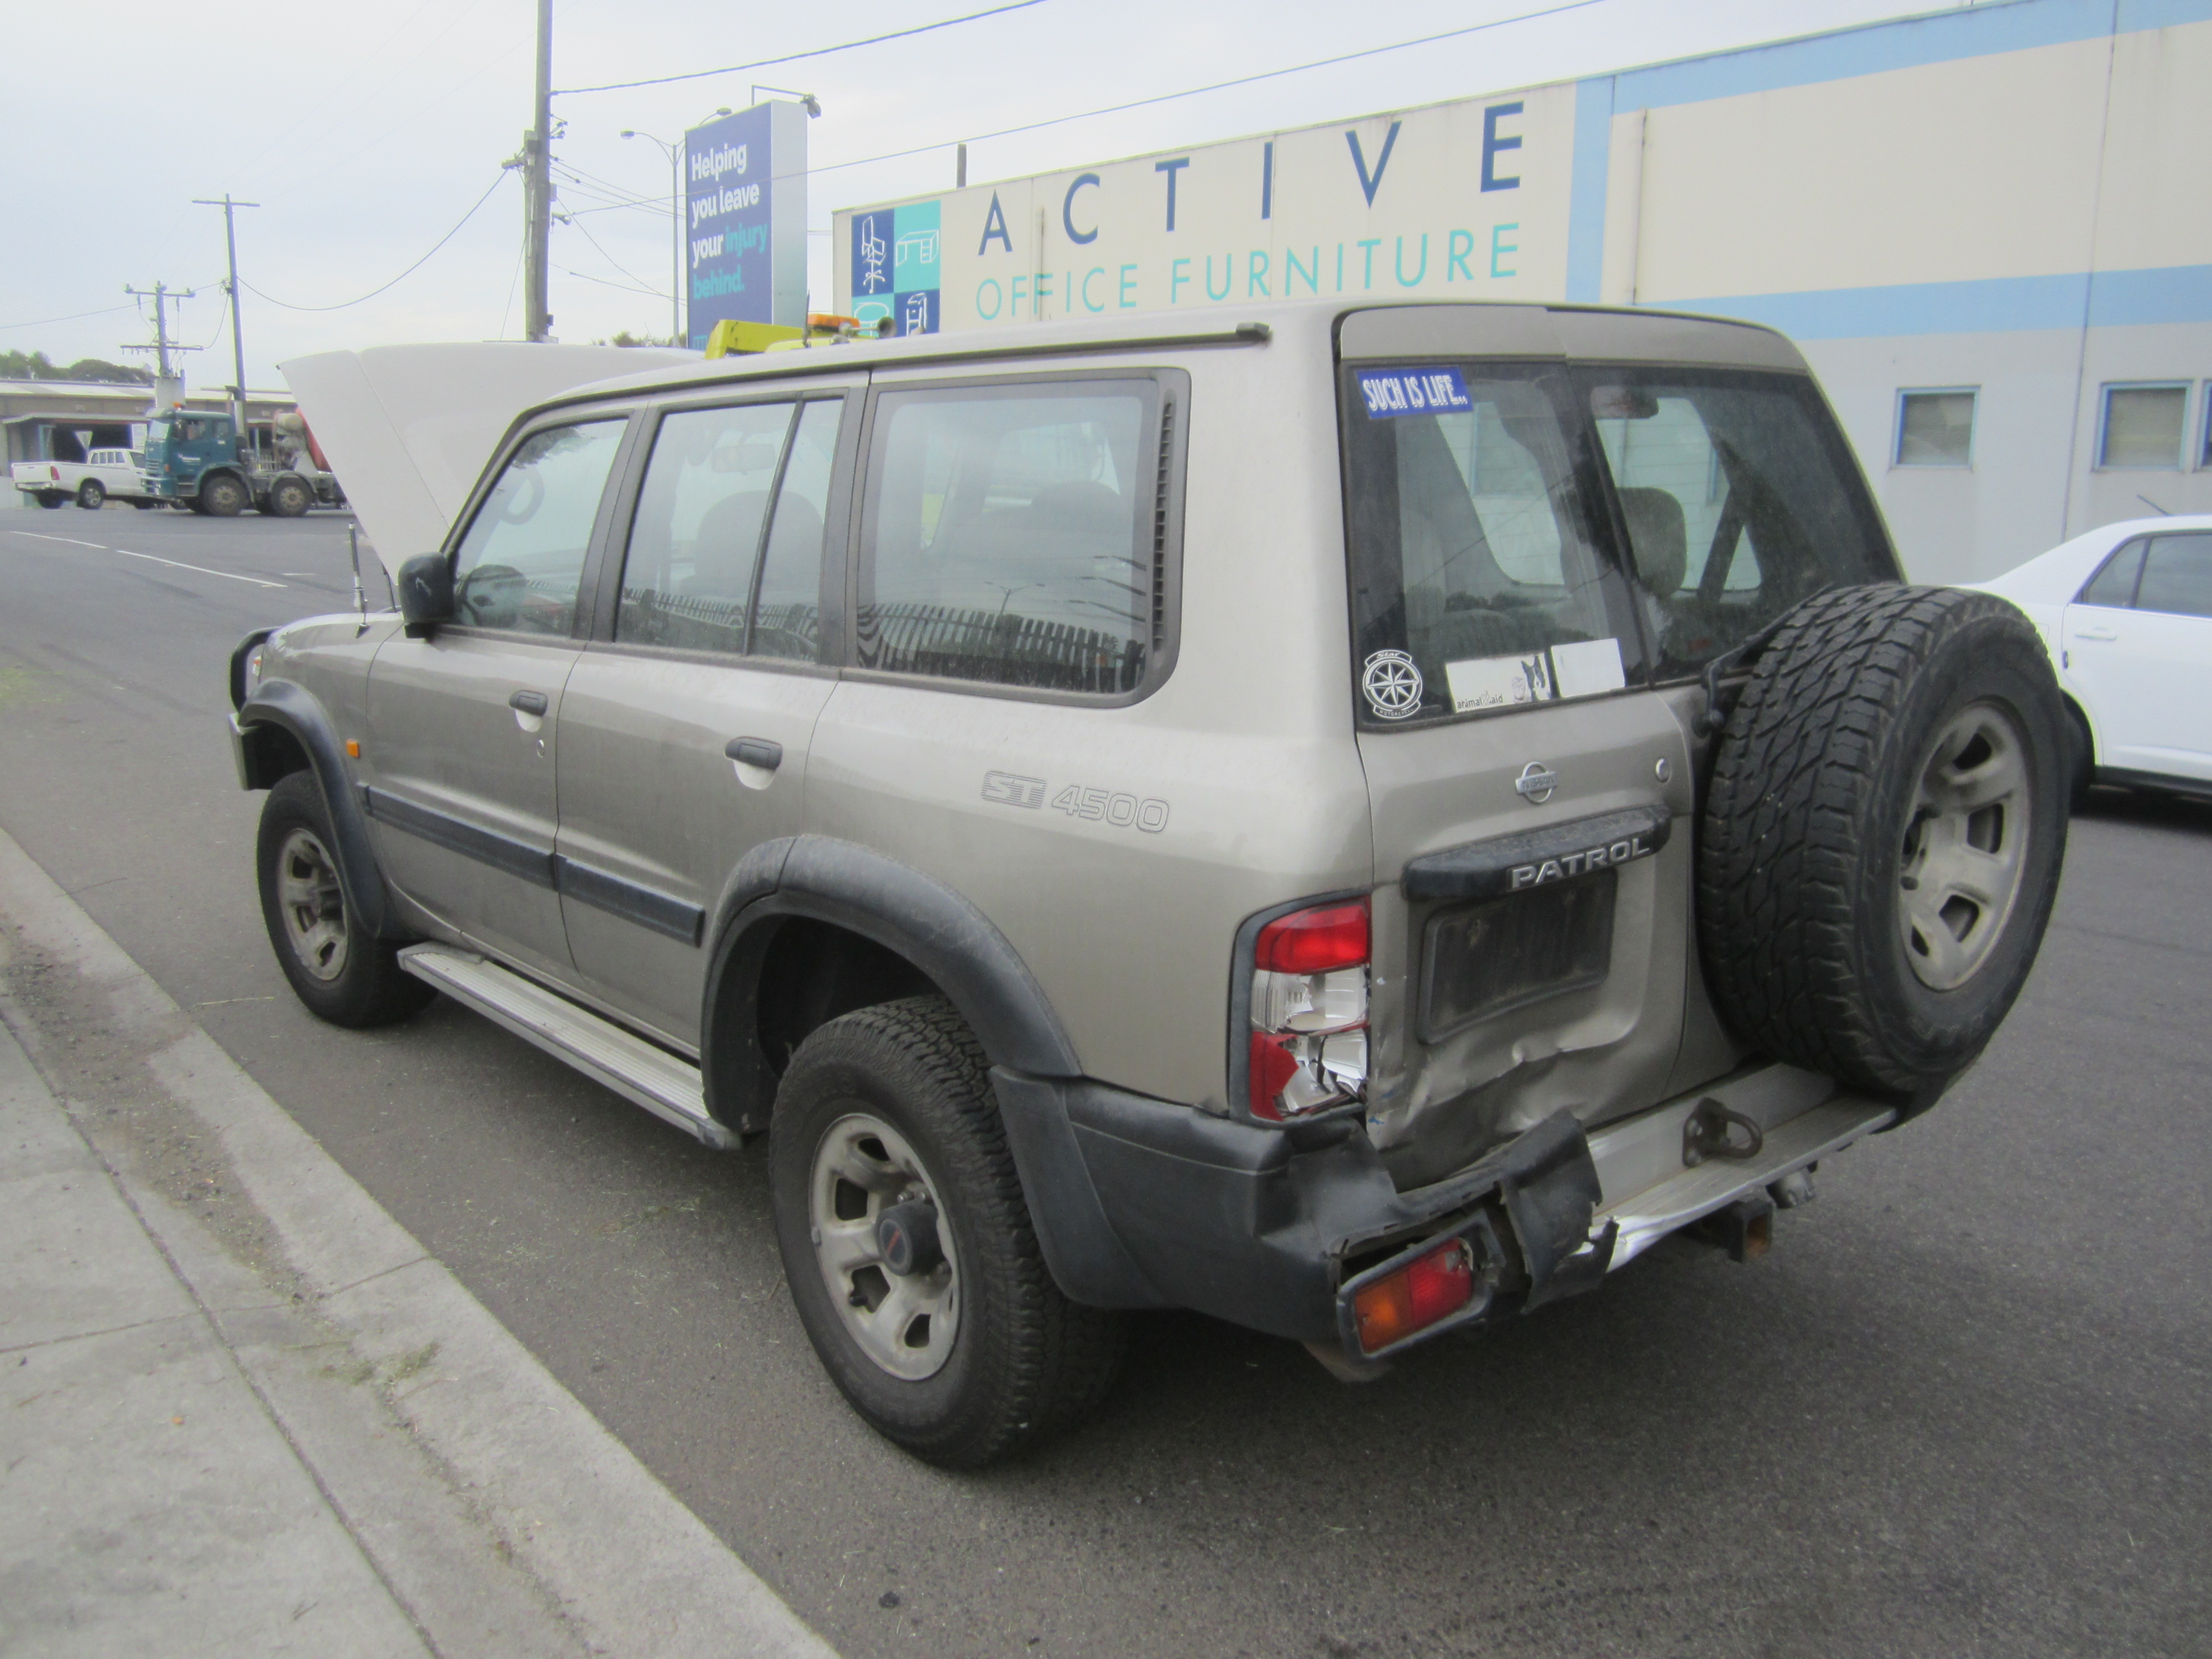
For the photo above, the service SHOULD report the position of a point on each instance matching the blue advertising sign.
(729, 256)
(896, 256)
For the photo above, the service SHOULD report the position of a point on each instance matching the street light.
(812, 105)
(676, 222)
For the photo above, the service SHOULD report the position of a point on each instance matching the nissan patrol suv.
(1356, 823)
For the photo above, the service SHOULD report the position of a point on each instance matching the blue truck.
(194, 459)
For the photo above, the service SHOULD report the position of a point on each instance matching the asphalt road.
(1962, 1409)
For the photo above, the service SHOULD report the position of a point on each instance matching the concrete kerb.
(498, 1509)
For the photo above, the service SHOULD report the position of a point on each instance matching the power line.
(1217, 86)
(603, 282)
(611, 260)
(794, 57)
(409, 271)
(72, 317)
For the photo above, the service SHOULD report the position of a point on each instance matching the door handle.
(754, 752)
(528, 702)
(2096, 634)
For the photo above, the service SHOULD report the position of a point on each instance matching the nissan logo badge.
(1536, 782)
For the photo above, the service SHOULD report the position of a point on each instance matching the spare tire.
(1881, 840)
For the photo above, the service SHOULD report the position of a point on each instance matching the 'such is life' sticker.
(1393, 392)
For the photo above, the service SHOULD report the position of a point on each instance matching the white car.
(2126, 612)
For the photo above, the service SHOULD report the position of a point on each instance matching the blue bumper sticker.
(1393, 392)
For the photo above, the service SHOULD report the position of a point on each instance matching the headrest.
(1658, 538)
(1080, 505)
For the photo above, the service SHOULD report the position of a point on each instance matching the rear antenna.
(353, 547)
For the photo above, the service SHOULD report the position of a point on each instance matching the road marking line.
(36, 536)
(180, 565)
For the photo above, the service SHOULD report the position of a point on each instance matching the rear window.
(1739, 497)
(1478, 582)
(1482, 501)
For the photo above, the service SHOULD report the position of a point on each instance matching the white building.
(1989, 228)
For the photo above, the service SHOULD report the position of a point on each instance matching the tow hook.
(1713, 1131)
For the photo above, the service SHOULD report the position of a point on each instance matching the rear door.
(685, 729)
(1544, 553)
(2138, 642)
(1504, 709)
(459, 756)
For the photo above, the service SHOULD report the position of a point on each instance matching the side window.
(1008, 534)
(2176, 576)
(2114, 586)
(522, 560)
(787, 618)
(695, 542)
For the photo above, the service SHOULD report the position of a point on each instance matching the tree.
(37, 366)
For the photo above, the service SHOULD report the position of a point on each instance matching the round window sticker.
(1392, 682)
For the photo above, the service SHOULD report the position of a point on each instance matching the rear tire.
(289, 498)
(1882, 839)
(892, 1105)
(92, 495)
(222, 496)
(50, 498)
(343, 973)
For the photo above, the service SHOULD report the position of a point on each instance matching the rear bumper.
(1140, 1203)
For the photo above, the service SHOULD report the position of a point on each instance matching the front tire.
(341, 972)
(971, 1353)
(92, 496)
(222, 497)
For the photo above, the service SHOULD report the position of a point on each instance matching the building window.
(2143, 426)
(2204, 450)
(1935, 427)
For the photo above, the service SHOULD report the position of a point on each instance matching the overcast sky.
(366, 131)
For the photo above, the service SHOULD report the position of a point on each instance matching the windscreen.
(1739, 497)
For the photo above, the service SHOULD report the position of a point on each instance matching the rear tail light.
(1309, 1041)
(55, 473)
(1427, 1289)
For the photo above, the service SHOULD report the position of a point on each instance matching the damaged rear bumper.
(1141, 1203)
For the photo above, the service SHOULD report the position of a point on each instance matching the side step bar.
(665, 1084)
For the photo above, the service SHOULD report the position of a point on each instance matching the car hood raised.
(409, 428)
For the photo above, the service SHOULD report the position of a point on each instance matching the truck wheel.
(222, 496)
(50, 498)
(289, 498)
(1881, 843)
(92, 495)
(908, 1249)
(341, 974)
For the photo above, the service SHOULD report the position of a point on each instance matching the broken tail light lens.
(1309, 1041)
(1427, 1289)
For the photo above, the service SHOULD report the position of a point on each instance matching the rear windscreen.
(1477, 579)
(1739, 497)
(1493, 511)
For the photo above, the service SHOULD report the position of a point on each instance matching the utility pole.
(168, 383)
(538, 187)
(237, 341)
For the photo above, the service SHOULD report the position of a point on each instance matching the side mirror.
(426, 594)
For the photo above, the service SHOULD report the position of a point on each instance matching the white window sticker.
(1587, 668)
(1498, 682)
(1582, 669)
